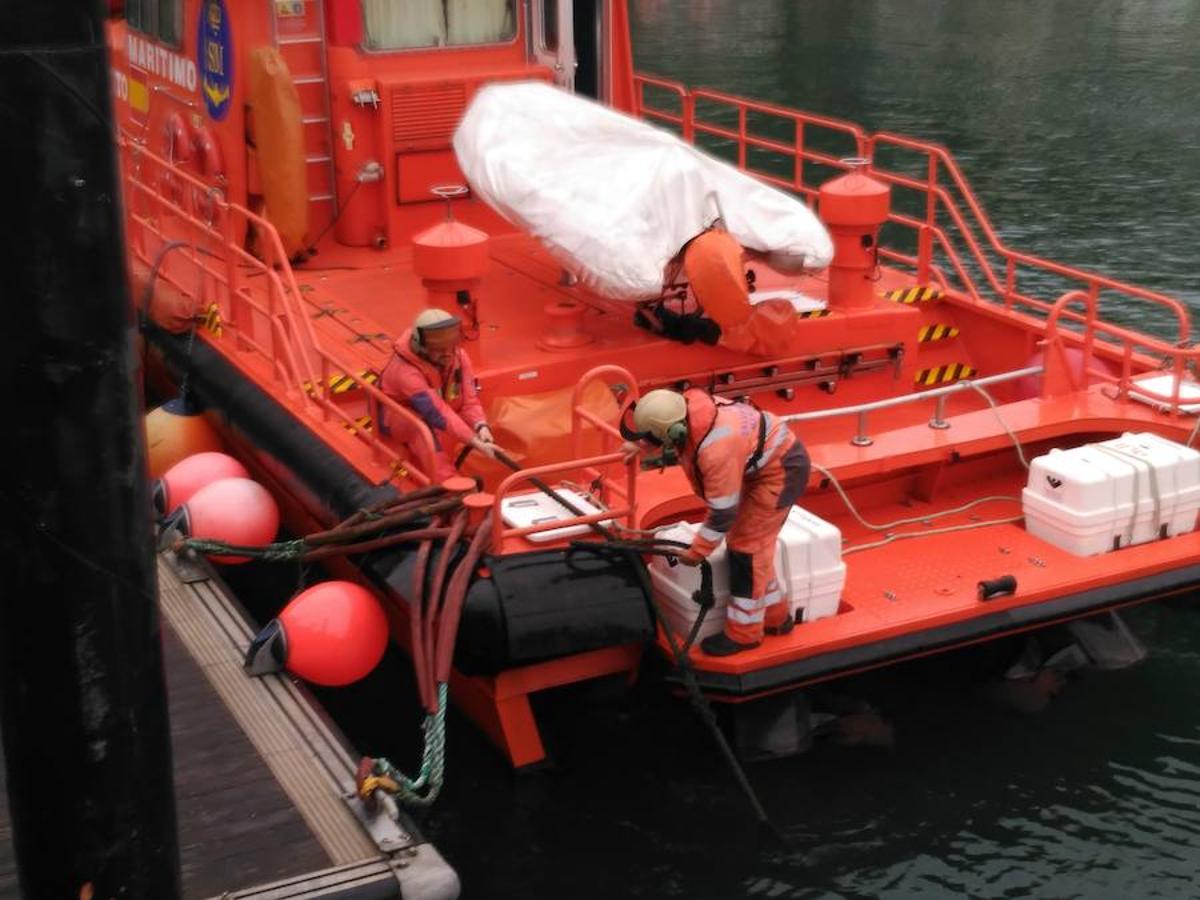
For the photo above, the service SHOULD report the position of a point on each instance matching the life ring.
(210, 165)
(176, 145)
(210, 162)
(176, 148)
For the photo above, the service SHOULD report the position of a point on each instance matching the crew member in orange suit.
(431, 374)
(749, 468)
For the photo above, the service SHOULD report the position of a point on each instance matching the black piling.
(82, 699)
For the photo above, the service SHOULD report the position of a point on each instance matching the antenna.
(450, 192)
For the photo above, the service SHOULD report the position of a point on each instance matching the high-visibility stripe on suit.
(749, 468)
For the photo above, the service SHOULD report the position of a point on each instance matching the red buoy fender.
(233, 510)
(186, 477)
(335, 633)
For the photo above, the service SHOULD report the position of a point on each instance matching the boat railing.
(1125, 343)
(619, 500)
(250, 300)
(1057, 373)
(751, 134)
(862, 437)
(625, 389)
(627, 510)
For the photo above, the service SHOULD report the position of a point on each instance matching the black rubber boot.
(721, 644)
(784, 627)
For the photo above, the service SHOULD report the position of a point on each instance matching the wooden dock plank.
(261, 777)
(236, 825)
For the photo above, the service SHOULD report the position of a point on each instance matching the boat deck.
(260, 777)
(913, 588)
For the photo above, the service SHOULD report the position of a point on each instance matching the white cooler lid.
(536, 508)
(1164, 384)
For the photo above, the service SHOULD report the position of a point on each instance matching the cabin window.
(169, 14)
(549, 35)
(406, 24)
(159, 19)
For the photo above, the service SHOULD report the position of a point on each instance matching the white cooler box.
(808, 566)
(1112, 494)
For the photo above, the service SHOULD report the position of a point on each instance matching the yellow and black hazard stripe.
(210, 319)
(813, 314)
(943, 374)
(340, 382)
(931, 333)
(363, 422)
(918, 294)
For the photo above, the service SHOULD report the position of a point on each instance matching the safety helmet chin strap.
(631, 434)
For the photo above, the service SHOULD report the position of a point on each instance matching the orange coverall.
(749, 493)
(443, 398)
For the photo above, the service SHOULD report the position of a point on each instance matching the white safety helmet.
(434, 329)
(660, 417)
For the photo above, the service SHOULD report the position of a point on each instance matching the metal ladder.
(298, 28)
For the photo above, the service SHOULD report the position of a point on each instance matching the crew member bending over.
(749, 468)
(431, 374)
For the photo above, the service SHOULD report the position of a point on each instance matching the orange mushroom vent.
(853, 207)
(450, 256)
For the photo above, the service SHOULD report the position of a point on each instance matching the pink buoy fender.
(191, 474)
(233, 510)
(333, 634)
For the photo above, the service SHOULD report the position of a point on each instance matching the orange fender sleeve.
(279, 147)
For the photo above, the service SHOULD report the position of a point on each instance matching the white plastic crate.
(1112, 494)
(808, 566)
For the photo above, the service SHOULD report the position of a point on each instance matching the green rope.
(279, 551)
(424, 789)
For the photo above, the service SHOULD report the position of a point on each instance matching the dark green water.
(1078, 125)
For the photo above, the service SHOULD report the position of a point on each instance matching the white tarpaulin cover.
(615, 199)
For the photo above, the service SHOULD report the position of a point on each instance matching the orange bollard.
(478, 507)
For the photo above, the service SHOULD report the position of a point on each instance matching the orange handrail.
(578, 412)
(1128, 340)
(628, 511)
(163, 202)
(942, 174)
(682, 118)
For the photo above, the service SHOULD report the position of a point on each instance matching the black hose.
(632, 551)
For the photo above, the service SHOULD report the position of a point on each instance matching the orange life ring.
(210, 165)
(176, 149)
(209, 160)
